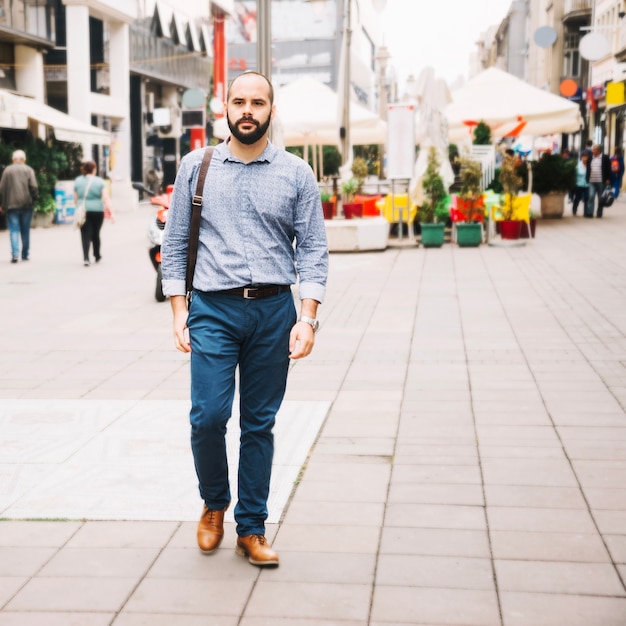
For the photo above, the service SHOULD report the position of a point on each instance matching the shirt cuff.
(174, 287)
(314, 291)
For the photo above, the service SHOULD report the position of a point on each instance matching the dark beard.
(253, 136)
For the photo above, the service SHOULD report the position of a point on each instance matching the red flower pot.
(329, 209)
(353, 209)
(510, 229)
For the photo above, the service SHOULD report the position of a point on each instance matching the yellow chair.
(521, 210)
(392, 207)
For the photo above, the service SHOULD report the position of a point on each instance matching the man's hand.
(301, 340)
(181, 333)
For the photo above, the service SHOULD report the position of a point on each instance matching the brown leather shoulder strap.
(196, 212)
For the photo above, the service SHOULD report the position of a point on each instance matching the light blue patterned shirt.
(252, 213)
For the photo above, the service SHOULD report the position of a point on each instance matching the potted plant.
(482, 134)
(470, 204)
(433, 212)
(511, 183)
(360, 170)
(328, 206)
(552, 178)
(350, 208)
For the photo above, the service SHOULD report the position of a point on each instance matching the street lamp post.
(344, 131)
(264, 38)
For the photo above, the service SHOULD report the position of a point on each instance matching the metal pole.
(264, 38)
(345, 118)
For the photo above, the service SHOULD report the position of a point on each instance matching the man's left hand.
(301, 340)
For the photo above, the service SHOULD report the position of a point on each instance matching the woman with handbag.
(92, 202)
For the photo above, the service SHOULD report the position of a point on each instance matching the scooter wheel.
(158, 292)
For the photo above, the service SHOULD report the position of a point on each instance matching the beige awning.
(16, 111)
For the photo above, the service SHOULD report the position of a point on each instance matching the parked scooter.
(155, 232)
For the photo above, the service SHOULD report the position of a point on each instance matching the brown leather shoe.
(258, 550)
(210, 530)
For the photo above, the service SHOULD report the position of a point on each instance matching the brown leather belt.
(254, 293)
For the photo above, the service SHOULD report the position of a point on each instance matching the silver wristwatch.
(311, 321)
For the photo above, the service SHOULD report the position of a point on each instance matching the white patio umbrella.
(508, 104)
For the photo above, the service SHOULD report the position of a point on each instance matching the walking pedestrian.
(18, 193)
(598, 176)
(617, 171)
(258, 200)
(581, 190)
(92, 190)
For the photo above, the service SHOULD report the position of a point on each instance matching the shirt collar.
(223, 151)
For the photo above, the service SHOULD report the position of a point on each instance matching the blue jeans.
(595, 189)
(19, 225)
(580, 193)
(227, 331)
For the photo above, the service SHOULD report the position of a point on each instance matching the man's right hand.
(181, 332)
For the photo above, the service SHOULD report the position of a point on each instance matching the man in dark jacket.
(18, 192)
(598, 176)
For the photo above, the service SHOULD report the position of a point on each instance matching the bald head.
(19, 156)
(253, 76)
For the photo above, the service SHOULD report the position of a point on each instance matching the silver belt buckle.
(246, 293)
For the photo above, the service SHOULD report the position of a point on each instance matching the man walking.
(18, 192)
(598, 175)
(257, 201)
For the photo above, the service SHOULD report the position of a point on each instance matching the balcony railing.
(577, 5)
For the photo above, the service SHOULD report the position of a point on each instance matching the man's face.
(248, 110)
(595, 151)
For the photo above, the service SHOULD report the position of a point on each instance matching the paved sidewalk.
(468, 429)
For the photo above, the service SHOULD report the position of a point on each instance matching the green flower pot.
(469, 235)
(432, 235)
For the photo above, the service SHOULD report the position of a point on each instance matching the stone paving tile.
(534, 497)
(435, 542)
(557, 577)
(335, 513)
(540, 520)
(73, 594)
(23, 560)
(365, 426)
(152, 619)
(100, 562)
(600, 498)
(310, 600)
(9, 618)
(435, 516)
(323, 567)
(539, 472)
(436, 474)
(434, 571)
(319, 539)
(544, 546)
(95, 534)
(36, 533)
(440, 493)
(549, 609)
(326, 491)
(189, 597)
(290, 621)
(453, 607)
(495, 451)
